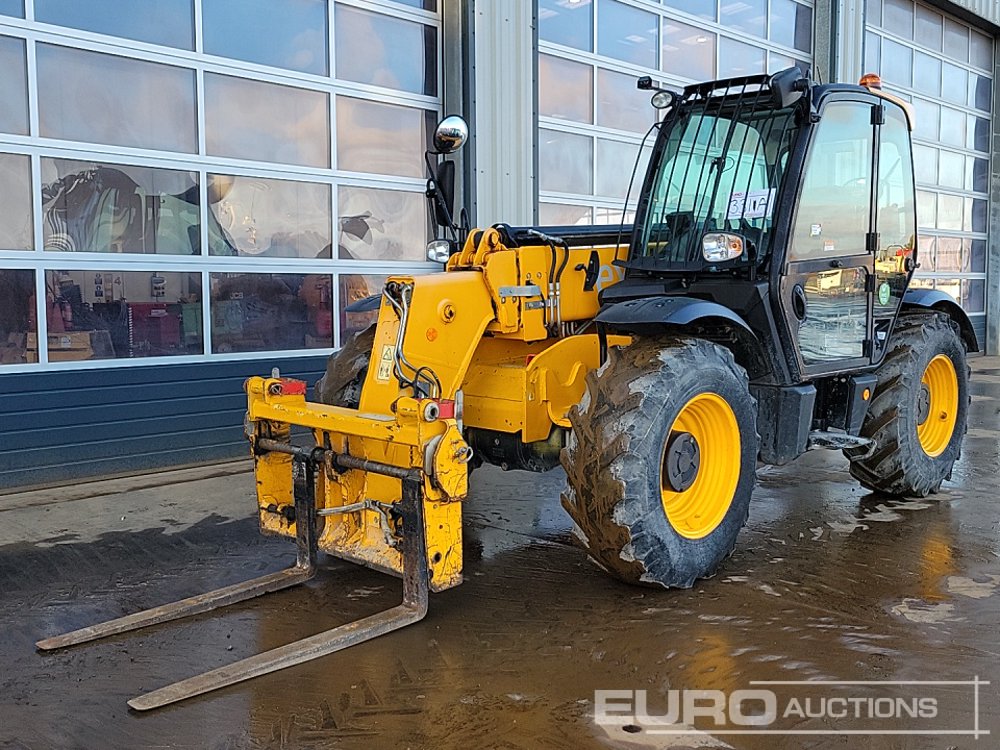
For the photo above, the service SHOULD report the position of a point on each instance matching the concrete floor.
(828, 582)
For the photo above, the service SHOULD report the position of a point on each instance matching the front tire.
(918, 414)
(661, 459)
(346, 370)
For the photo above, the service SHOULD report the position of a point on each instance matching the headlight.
(720, 246)
(438, 251)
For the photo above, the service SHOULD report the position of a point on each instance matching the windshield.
(720, 170)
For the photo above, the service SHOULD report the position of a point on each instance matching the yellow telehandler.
(757, 308)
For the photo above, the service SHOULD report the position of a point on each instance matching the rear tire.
(346, 370)
(653, 411)
(918, 414)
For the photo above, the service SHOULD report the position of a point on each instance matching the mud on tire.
(346, 371)
(899, 465)
(615, 453)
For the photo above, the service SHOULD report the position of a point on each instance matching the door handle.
(799, 302)
(836, 264)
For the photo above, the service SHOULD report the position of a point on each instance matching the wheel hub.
(681, 461)
(923, 403)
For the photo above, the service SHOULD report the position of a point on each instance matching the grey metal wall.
(60, 426)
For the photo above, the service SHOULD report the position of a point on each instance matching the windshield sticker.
(829, 246)
(815, 230)
(884, 293)
(756, 204)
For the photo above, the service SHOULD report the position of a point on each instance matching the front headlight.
(438, 251)
(720, 246)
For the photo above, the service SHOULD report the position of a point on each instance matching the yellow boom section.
(496, 332)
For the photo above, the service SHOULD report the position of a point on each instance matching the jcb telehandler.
(757, 308)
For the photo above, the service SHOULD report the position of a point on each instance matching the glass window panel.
(702, 8)
(739, 59)
(873, 12)
(17, 317)
(627, 33)
(928, 28)
(951, 210)
(89, 96)
(981, 50)
(952, 171)
(620, 104)
(980, 92)
(565, 162)
(776, 62)
(948, 255)
(835, 193)
(381, 138)
(430, 5)
(925, 164)
(13, 86)
(240, 121)
(615, 161)
(259, 312)
(925, 247)
(897, 17)
(384, 51)
(955, 83)
(16, 224)
(284, 33)
(978, 175)
(927, 74)
(260, 217)
(956, 40)
(978, 136)
(926, 120)
(110, 208)
(979, 210)
(873, 52)
(926, 209)
(12, 8)
(897, 63)
(791, 24)
(604, 215)
(562, 215)
(952, 287)
(688, 52)
(376, 224)
(167, 22)
(977, 255)
(568, 22)
(745, 15)
(952, 127)
(974, 295)
(353, 288)
(110, 314)
(566, 89)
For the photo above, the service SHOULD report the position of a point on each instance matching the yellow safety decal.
(385, 363)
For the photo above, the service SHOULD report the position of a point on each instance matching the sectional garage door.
(944, 67)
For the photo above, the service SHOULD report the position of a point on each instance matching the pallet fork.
(415, 574)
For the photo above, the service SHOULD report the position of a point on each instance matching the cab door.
(827, 290)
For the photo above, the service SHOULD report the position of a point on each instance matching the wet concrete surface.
(828, 583)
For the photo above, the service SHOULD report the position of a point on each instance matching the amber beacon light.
(871, 80)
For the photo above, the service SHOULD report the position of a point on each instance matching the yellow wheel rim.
(941, 393)
(707, 427)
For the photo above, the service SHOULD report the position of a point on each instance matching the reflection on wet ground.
(828, 582)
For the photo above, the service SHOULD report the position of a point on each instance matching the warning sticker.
(384, 371)
(756, 204)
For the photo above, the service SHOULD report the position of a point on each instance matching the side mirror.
(450, 135)
(787, 87)
(444, 207)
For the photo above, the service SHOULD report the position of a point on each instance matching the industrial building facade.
(192, 191)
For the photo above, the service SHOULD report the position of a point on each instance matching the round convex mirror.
(450, 134)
